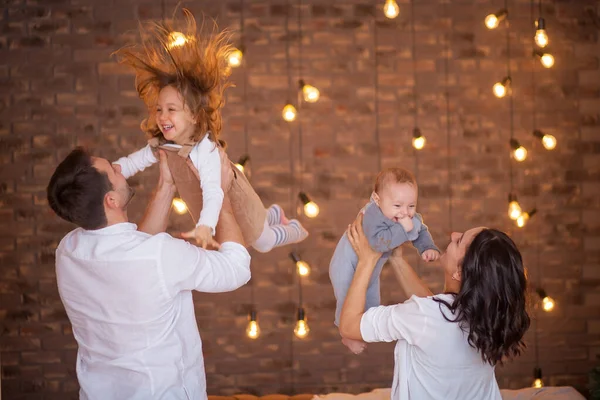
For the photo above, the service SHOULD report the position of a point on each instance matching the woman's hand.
(359, 242)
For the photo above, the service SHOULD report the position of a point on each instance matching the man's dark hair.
(76, 191)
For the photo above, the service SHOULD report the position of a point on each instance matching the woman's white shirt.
(433, 359)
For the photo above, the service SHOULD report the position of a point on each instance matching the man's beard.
(130, 194)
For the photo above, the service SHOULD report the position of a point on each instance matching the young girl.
(181, 78)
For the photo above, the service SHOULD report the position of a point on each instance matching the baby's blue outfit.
(384, 236)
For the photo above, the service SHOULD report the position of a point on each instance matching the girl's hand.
(359, 241)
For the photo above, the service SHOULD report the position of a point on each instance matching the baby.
(390, 219)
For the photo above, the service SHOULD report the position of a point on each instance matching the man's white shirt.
(128, 297)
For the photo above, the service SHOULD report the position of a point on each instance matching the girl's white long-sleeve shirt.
(206, 159)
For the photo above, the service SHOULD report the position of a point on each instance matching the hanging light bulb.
(537, 378)
(301, 329)
(546, 59)
(418, 140)
(524, 217)
(179, 205)
(493, 20)
(252, 330)
(311, 209)
(502, 88)
(243, 163)
(519, 152)
(391, 9)
(514, 208)
(302, 266)
(176, 39)
(548, 141)
(289, 113)
(234, 58)
(310, 93)
(541, 37)
(547, 301)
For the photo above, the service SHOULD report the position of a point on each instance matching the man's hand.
(165, 173)
(430, 255)
(203, 236)
(407, 224)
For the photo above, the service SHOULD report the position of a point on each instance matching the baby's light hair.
(393, 175)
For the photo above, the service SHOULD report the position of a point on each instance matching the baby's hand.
(407, 224)
(430, 255)
(203, 236)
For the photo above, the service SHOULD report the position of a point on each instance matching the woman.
(448, 344)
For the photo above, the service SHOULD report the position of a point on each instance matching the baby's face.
(398, 200)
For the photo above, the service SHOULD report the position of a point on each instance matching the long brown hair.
(183, 57)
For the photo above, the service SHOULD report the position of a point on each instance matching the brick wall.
(60, 88)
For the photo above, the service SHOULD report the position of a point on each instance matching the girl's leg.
(276, 216)
(279, 235)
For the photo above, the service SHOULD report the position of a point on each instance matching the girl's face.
(173, 118)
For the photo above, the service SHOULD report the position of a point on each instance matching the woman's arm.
(354, 304)
(408, 279)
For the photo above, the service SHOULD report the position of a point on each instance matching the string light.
(310, 93)
(235, 57)
(179, 205)
(537, 378)
(391, 9)
(177, 39)
(547, 301)
(289, 113)
(519, 152)
(548, 141)
(253, 329)
(502, 88)
(546, 59)
(418, 140)
(302, 266)
(514, 208)
(311, 209)
(541, 37)
(301, 330)
(493, 20)
(243, 163)
(524, 217)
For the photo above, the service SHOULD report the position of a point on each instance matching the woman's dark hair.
(491, 304)
(76, 191)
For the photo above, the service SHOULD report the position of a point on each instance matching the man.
(128, 290)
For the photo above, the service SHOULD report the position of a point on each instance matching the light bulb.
(235, 58)
(311, 209)
(391, 9)
(522, 219)
(179, 205)
(252, 330)
(541, 38)
(289, 113)
(311, 93)
(418, 142)
(549, 142)
(547, 60)
(520, 153)
(493, 20)
(301, 329)
(514, 210)
(176, 39)
(303, 268)
(548, 303)
(239, 166)
(501, 88)
(538, 383)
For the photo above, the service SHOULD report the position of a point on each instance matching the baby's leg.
(279, 235)
(276, 216)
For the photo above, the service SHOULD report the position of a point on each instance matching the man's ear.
(111, 200)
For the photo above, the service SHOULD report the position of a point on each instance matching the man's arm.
(408, 279)
(157, 213)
